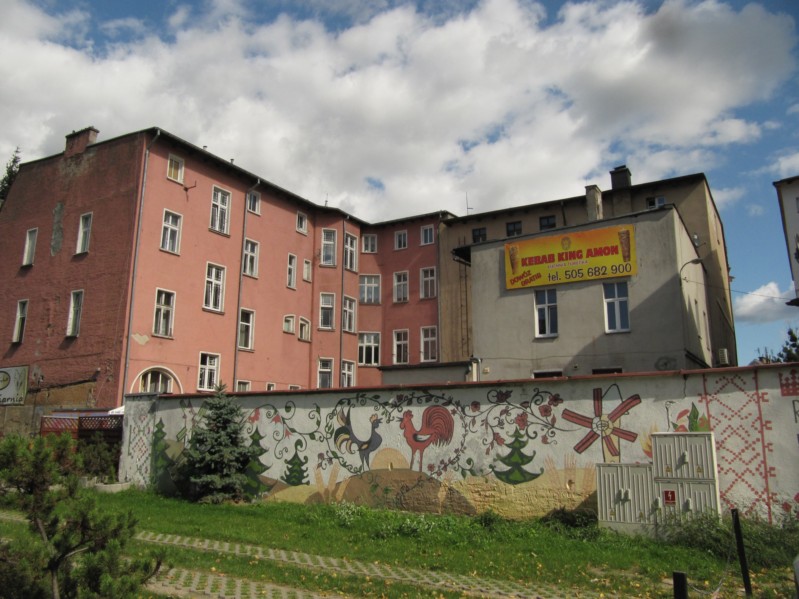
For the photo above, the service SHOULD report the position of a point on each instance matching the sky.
(388, 108)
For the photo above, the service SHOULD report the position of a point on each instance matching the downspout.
(439, 332)
(241, 279)
(341, 296)
(136, 261)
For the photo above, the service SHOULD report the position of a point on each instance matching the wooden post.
(739, 541)
(680, 585)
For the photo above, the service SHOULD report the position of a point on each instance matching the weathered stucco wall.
(520, 448)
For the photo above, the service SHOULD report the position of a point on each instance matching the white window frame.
(271, 386)
(546, 312)
(619, 306)
(428, 287)
(350, 252)
(401, 240)
(246, 336)
(175, 168)
(29, 253)
(401, 287)
(368, 289)
(348, 314)
(302, 223)
(249, 265)
(347, 373)
(19, 321)
(221, 204)
(170, 232)
(369, 243)
(75, 313)
(327, 311)
(427, 235)
(324, 366)
(329, 239)
(369, 348)
(155, 377)
(214, 298)
(208, 372)
(291, 272)
(307, 270)
(428, 344)
(288, 324)
(164, 313)
(253, 202)
(84, 233)
(243, 386)
(401, 346)
(294, 387)
(304, 329)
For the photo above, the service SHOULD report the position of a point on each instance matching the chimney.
(593, 202)
(77, 141)
(620, 177)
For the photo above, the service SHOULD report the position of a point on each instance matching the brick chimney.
(620, 177)
(77, 141)
(593, 202)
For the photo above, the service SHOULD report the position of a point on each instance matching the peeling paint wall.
(520, 448)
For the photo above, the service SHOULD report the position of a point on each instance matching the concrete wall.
(520, 448)
(788, 198)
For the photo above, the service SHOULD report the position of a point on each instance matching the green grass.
(530, 552)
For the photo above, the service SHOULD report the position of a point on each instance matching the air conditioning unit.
(724, 357)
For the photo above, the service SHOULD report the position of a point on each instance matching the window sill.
(213, 310)
(170, 252)
(303, 340)
(546, 336)
(326, 329)
(218, 232)
(327, 265)
(368, 303)
(302, 232)
(179, 182)
(285, 332)
(163, 336)
(249, 350)
(248, 275)
(616, 332)
(432, 297)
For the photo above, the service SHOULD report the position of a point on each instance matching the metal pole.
(739, 541)
(680, 585)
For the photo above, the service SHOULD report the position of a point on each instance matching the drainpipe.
(241, 278)
(341, 300)
(136, 262)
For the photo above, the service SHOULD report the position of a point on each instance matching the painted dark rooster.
(437, 426)
(345, 438)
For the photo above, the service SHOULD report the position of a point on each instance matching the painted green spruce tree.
(74, 549)
(215, 462)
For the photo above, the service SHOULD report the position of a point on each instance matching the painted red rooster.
(437, 426)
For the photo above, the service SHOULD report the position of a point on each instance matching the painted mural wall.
(520, 448)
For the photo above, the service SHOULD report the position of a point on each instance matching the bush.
(99, 458)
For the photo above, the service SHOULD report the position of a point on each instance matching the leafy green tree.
(788, 353)
(12, 168)
(74, 549)
(216, 459)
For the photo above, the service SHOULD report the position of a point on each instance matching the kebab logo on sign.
(578, 256)
(5, 379)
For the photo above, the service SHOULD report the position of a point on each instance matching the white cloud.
(787, 165)
(726, 197)
(765, 304)
(755, 210)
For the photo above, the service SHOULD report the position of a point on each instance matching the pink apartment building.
(145, 263)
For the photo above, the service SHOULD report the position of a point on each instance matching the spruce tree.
(12, 168)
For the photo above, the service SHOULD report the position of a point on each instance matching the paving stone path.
(188, 583)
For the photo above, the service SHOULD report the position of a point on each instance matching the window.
(546, 311)
(19, 323)
(479, 234)
(369, 243)
(611, 370)
(655, 202)
(30, 247)
(155, 381)
(347, 373)
(288, 324)
(327, 303)
(401, 347)
(429, 344)
(164, 307)
(220, 205)
(209, 372)
(401, 286)
(617, 317)
(325, 373)
(214, 287)
(428, 235)
(512, 229)
(291, 272)
(328, 247)
(271, 386)
(427, 287)
(307, 269)
(547, 222)
(400, 240)
(547, 374)
(246, 328)
(302, 223)
(75, 310)
(174, 168)
(84, 233)
(305, 329)
(250, 262)
(348, 314)
(243, 385)
(294, 387)
(254, 202)
(350, 252)
(370, 289)
(369, 349)
(170, 233)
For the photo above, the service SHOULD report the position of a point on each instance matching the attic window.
(655, 202)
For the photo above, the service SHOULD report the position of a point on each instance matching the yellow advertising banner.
(571, 257)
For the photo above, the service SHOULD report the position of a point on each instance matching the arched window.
(156, 381)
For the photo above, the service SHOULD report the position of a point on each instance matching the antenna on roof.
(467, 203)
